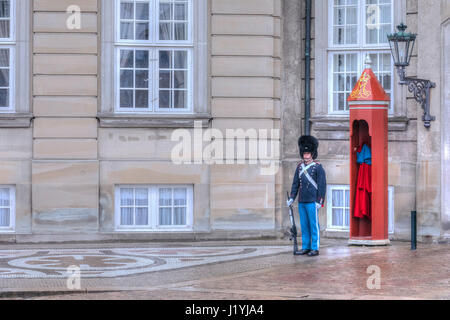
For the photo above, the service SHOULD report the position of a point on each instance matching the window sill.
(155, 230)
(115, 120)
(15, 120)
(341, 123)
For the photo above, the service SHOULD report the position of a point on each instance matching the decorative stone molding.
(445, 134)
(114, 120)
(15, 120)
(327, 123)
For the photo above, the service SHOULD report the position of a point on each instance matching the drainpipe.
(308, 67)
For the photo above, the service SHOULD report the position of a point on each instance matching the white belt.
(305, 172)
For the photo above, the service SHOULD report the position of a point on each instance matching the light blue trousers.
(309, 222)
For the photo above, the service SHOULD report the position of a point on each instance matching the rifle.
(293, 230)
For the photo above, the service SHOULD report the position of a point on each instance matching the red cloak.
(363, 191)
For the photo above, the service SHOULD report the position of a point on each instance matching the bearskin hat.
(308, 144)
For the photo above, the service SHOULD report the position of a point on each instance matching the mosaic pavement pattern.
(117, 262)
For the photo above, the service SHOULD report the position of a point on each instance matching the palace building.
(95, 95)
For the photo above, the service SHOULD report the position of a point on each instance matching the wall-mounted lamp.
(402, 45)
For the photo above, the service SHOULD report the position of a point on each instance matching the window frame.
(10, 43)
(154, 36)
(12, 24)
(330, 189)
(153, 45)
(12, 78)
(361, 48)
(153, 209)
(12, 210)
(189, 30)
(361, 56)
(329, 208)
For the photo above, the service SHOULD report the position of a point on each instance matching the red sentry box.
(369, 106)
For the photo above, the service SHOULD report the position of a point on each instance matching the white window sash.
(12, 25)
(153, 210)
(152, 75)
(361, 29)
(189, 84)
(331, 188)
(153, 45)
(331, 27)
(331, 80)
(154, 85)
(382, 45)
(331, 227)
(154, 28)
(361, 56)
(9, 43)
(189, 25)
(361, 48)
(12, 79)
(12, 210)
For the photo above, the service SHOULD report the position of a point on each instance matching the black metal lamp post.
(402, 45)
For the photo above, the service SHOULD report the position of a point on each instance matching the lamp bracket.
(420, 88)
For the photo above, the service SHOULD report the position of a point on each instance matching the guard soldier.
(310, 185)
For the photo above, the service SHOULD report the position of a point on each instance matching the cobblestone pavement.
(254, 270)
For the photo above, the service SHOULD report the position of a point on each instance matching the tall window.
(154, 56)
(7, 45)
(157, 207)
(357, 28)
(338, 208)
(7, 208)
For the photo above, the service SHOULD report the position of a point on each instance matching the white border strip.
(369, 108)
(369, 102)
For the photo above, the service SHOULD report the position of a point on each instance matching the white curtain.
(180, 31)
(337, 217)
(165, 31)
(165, 216)
(4, 78)
(180, 200)
(337, 213)
(179, 216)
(4, 212)
(142, 31)
(4, 57)
(180, 59)
(5, 24)
(126, 203)
(165, 204)
(180, 196)
(141, 216)
(141, 201)
(127, 30)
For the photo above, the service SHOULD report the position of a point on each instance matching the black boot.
(313, 253)
(301, 252)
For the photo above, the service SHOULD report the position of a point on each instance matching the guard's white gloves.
(318, 205)
(289, 202)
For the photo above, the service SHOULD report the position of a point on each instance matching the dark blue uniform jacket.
(306, 191)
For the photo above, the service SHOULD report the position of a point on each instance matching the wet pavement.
(234, 270)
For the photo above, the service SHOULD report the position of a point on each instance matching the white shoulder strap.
(305, 172)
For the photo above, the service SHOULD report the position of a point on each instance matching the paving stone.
(263, 270)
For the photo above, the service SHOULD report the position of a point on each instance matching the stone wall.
(445, 109)
(66, 165)
(405, 125)
(428, 193)
(65, 169)
(245, 88)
